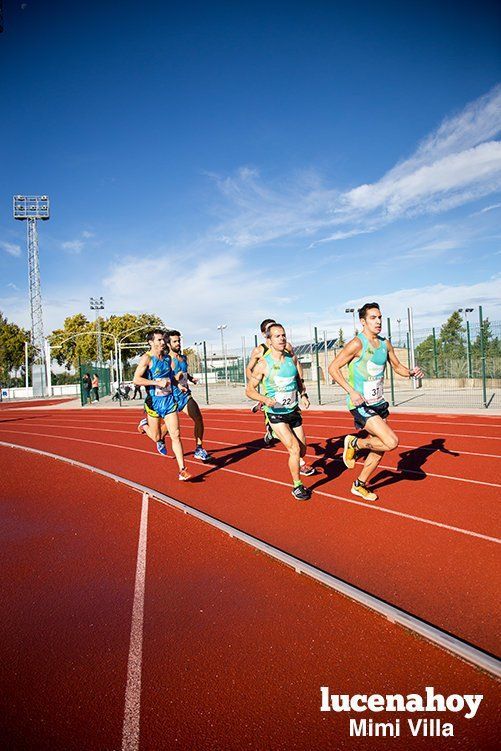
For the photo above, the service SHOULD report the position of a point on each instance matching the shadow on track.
(410, 464)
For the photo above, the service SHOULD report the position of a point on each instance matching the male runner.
(184, 399)
(259, 351)
(366, 356)
(155, 373)
(279, 374)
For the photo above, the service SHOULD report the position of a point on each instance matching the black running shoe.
(268, 436)
(301, 493)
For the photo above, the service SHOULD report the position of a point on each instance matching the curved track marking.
(448, 641)
(382, 509)
(281, 451)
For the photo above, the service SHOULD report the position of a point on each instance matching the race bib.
(374, 391)
(286, 398)
(163, 391)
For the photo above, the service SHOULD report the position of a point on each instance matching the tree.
(340, 339)
(425, 355)
(12, 339)
(77, 340)
(452, 350)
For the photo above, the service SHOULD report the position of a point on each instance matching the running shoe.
(268, 436)
(202, 454)
(350, 452)
(142, 425)
(257, 407)
(161, 448)
(301, 493)
(184, 475)
(359, 488)
(305, 469)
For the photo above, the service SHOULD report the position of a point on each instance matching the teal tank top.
(280, 384)
(366, 372)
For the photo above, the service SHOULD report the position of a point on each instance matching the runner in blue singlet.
(366, 356)
(184, 399)
(155, 373)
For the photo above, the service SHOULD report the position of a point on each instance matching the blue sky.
(224, 162)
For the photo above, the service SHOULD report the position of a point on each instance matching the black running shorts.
(294, 419)
(363, 413)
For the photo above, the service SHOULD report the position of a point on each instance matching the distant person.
(137, 390)
(95, 386)
(87, 386)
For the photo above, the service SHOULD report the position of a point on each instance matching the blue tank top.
(159, 368)
(179, 364)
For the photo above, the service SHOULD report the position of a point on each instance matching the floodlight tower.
(97, 304)
(31, 209)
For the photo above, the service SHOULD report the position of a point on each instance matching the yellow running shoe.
(349, 452)
(359, 489)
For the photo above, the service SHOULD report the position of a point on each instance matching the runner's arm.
(399, 367)
(254, 358)
(142, 367)
(347, 354)
(253, 382)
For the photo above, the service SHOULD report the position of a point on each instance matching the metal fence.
(462, 365)
(102, 372)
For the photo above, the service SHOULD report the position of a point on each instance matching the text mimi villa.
(430, 702)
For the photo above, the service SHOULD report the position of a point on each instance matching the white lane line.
(394, 614)
(130, 732)
(281, 451)
(399, 430)
(186, 421)
(383, 509)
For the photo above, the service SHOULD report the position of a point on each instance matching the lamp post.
(352, 310)
(468, 340)
(221, 328)
(97, 304)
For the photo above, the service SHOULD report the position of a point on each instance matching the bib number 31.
(373, 391)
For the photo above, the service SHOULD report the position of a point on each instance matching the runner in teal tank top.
(282, 389)
(366, 357)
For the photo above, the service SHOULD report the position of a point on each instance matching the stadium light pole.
(97, 304)
(221, 328)
(468, 341)
(352, 310)
(197, 345)
(30, 209)
(399, 321)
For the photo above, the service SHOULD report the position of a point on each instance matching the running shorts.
(363, 413)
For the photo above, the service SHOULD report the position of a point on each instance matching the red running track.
(30, 403)
(234, 646)
(429, 546)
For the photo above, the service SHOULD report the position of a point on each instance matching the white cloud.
(11, 248)
(13, 286)
(457, 163)
(78, 244)
(73, 246)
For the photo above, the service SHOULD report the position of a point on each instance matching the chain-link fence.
(461, 360)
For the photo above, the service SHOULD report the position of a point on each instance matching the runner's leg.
(285, 434)
(193, 410)
(172, 422)
(381, 439)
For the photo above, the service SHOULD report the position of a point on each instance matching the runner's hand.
(270, 402)
(357, 398)
(194, 380)
(417, 372)
(182, 388)
(305, 401)
(162, 383)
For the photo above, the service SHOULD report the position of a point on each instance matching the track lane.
(218, 618)
(479, 509)
(394, 572)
